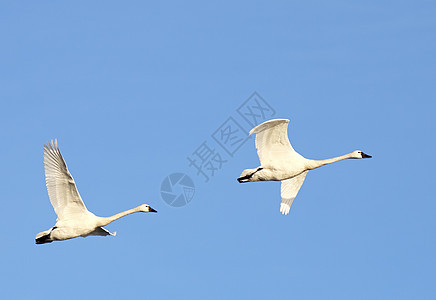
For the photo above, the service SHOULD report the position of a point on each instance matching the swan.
(280, 162)
(73, 218)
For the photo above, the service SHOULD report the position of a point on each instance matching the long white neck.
(106, 220)
(313, 164)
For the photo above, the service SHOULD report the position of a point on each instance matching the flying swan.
(280, 162)
(73, 218)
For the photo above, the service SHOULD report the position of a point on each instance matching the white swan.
(73, 218)
(280, 162)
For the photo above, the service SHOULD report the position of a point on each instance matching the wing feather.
(62, 190)
(289, 190)
(101, 231)
(272, 143)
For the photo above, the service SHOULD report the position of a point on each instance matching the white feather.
(280, 162)
(73, 218)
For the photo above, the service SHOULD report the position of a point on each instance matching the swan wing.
(61, 187)
(272, 143)
(101, 231)
(289, 190)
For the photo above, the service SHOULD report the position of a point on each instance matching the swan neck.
(313, 164)
(106, 220)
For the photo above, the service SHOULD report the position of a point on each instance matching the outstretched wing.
(289, 190)
(61, 187)
(272, 143)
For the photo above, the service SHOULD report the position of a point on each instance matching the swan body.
(73, 218)
(280, 162)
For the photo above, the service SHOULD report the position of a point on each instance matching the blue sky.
(131, 89)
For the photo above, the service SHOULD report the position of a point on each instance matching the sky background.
(131, 89)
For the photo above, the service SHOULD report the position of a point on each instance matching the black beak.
(243, 179)
(366, 155)
(152, 210)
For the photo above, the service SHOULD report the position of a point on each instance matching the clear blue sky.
(131, 89)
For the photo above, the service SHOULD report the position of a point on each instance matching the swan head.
(249, 175)
(359, 154)
(146, 208)
(245, 176)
